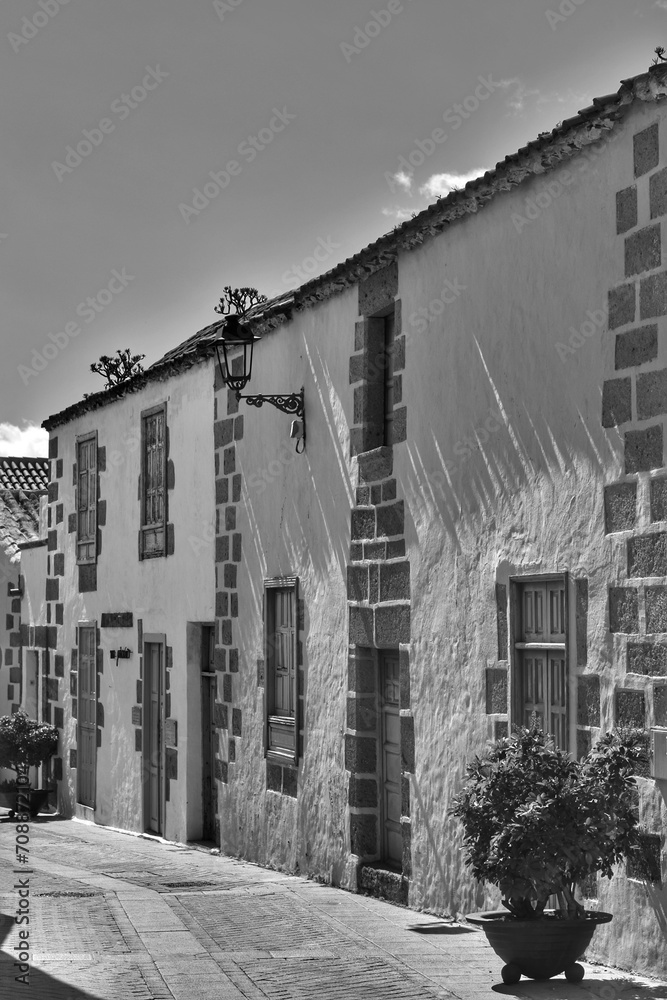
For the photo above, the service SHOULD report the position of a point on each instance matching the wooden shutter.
(86, 503)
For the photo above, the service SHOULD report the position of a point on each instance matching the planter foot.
(512, 973)
(574, 973)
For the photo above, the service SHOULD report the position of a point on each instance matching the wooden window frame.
(91, 539)
(280, 725)
(147, 528)
(517, 647)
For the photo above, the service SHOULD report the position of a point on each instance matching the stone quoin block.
(379, 290)
(361, 672)
(645, 863)
(375, 550)
(238, 428)
(15, 675)
(237, 721)
(390, 519)
(236, 547)
(362, 523)
(496, 691)
(581, 621)
(647, 555)
(222, 548)
(630, 709)
(404, 678)
(363, 792)
(274, 777)
(52, 540)
(647, 658)
(376, 465)
(645, 148)
(361, 632)
(357, 583)
(622, 305)
(642, 250)
(363, 496)
(229, 576)
(220, 716)
(221, 491)
(399, 427)
(396, 548)
(101, 511)
(626, 209)
(53, 492)
(229, 461)
(407, 724)
(651, 394)
(406, 858)
(588, 700)
(363, 835)
(653, 296)
(223, 433)
(368, 404)
(660, 705)
(620, 507)
(623, 609)
(399, 354)
(227, 688)
(231, 749)
(405, 795)
(656, 609)
(360, 754)
(233, 661)
(53, 447)
(290, 781)
(501, 620)
(657, 186)
(395, 581)
(362, 714)
(616, 402)
(87, 578)
(389, 490)
(658, 491)
(376, 494)
(636, 347)
(392, 625)
(71, 523)
(220, 659)
(643, 450)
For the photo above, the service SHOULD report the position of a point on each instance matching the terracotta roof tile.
(26, 474)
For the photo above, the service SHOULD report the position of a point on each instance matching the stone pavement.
(118, 917)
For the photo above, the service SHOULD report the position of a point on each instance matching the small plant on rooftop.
(119, 367)
(238, 300)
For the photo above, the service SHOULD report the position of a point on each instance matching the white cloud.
(396, 212)
(440, 185)
(29, 441)
(403, 180)
(661, 3)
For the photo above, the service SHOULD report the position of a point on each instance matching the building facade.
(474, 532)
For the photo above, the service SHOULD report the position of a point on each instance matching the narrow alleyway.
(113, 917)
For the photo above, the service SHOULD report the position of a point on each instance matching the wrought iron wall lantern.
(235, 336)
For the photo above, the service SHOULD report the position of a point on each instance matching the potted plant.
(536, 824)
(24, 743)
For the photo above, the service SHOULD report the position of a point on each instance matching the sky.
(154, 151)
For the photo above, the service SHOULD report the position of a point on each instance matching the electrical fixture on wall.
(122, 653)
(236, 335)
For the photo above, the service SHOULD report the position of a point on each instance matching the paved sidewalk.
(117, 917)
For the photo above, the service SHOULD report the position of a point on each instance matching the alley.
(117, 916)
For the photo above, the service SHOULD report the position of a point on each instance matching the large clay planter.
(38, 797)
(539, 949)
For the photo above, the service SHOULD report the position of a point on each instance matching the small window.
(540, 656)
(280, 612)
(153, 482)
(86, 499)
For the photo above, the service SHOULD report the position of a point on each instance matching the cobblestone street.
(115, 916)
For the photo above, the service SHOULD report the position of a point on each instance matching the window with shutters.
(86, 499)
(153, 481)
(280, 626)
(540, 656)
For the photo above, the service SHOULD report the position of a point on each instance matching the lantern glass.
(236, 335)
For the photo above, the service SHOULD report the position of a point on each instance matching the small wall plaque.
(136, 716)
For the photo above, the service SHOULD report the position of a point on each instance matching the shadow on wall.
(505, 449)
(34, 981)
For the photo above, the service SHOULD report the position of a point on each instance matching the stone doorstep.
(383, 883)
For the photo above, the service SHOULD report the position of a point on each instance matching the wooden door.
(87, 716)
(209, 734)
(392, 841)
(153, 726)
